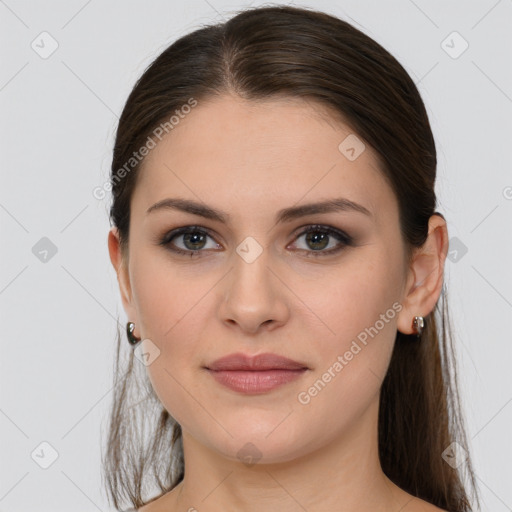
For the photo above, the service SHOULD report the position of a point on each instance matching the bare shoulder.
(153, 506)
(410, 503)
(419, 505)
(149, 507)
(165, 503)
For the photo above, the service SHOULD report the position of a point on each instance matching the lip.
(259, 362)
(255, 374)
(253, 382)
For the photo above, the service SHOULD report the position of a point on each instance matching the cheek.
(352, 297)
(172, 303)
(358, 309)
(167, 295)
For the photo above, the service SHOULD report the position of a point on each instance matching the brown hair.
(293, 52)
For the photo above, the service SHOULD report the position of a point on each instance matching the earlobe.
(426, 275)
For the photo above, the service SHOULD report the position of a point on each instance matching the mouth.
(255, 374)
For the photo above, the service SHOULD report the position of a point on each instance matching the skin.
(251, 159)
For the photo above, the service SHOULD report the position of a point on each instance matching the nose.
(254, 296)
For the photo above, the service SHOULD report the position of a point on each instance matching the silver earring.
(132, 339)
(418, 323)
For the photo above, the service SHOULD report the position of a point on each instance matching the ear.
(120, 264)
(426, 274)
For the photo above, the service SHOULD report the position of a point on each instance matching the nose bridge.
(251, 274)
(252, 294)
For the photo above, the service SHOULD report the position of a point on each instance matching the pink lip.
(255, 381)
(265, 361)
(257, 374)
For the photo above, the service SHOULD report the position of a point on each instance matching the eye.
(193, 239)
(319, 237)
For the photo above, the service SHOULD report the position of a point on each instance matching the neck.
(343, 474)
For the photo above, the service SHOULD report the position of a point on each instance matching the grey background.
(59, 311)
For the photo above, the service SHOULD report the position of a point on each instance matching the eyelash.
(342, 237)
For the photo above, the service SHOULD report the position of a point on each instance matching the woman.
(280, 262)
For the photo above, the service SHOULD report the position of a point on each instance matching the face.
(254, 283)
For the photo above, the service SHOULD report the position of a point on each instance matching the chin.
(254, 440)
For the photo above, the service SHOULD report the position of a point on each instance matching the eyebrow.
(284, 215)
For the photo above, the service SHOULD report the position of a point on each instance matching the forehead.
(261, 153)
